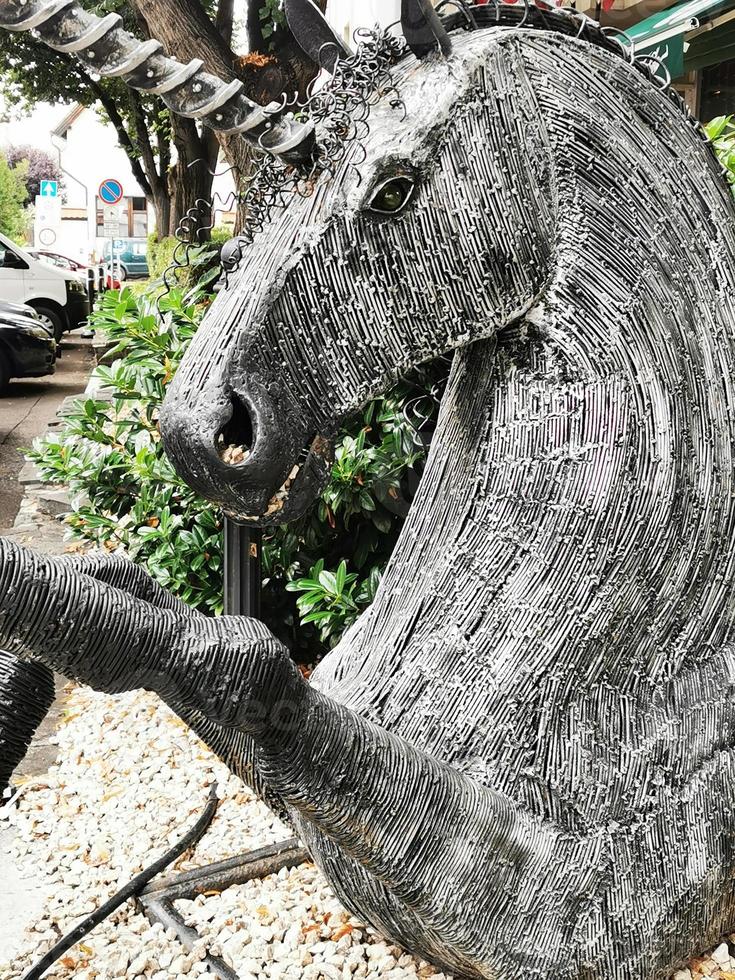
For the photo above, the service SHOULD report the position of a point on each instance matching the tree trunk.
(162, 208)
(190, 178)
(186, 32)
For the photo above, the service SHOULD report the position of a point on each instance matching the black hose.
(133, 888)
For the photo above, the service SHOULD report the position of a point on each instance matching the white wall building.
(89, 154)
(348, 15)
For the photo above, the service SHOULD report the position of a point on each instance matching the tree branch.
(144, 144)
(225, 20)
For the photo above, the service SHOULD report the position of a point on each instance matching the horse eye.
(392, 196)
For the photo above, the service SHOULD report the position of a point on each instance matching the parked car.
(60, 261)
(57, 295)
(27, 345)
(128, 257)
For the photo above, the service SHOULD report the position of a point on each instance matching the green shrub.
(161, 256)
(109, 453)
(13, 195)
(721, 132)
(320, 572)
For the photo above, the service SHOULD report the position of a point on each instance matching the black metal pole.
(242, 570)
(91, 286)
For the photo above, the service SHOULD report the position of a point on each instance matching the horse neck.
(578, 504)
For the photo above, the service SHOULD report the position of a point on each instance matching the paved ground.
(26, 411)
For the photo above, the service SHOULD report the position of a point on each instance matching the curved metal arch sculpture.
(520, 760)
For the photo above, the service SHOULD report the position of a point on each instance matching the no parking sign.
(111, 191)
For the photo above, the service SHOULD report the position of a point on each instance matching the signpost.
(111, 192)
(47, 220)
(49, 188)
(111, 220)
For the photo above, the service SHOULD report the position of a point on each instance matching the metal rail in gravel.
(158, 898)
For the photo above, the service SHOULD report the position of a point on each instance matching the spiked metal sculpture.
(102, 44)
(520, 762)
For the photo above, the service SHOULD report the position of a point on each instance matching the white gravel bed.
(130, 780)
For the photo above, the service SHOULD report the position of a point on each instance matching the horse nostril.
(236, 437)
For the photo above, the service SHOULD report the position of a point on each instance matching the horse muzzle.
(246, 450)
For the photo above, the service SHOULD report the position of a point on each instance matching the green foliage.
(201, 259)
(721, 132)
(320, 572)
(13, 194)
(272, 18)
(109, 453)
(334, 600)
(160, 254)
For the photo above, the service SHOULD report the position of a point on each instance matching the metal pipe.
(242, 570)
(130, 890)
(157, 900)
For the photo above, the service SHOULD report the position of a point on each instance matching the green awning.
(663, 34)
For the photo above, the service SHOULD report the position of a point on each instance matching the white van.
(59, 296)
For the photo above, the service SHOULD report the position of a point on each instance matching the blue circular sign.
(111, 191)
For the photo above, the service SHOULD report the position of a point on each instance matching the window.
(9, 260)
(718, 91)
(140, 224)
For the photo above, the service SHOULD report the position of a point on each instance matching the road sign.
(49, 188)
(111, 214)
(47, 220)
(111, 191)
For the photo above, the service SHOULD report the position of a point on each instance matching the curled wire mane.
(194, 229)
(342, 108)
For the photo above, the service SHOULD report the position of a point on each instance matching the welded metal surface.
(104, 46)
(26, 694)
(519, 763)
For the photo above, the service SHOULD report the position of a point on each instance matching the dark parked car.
(27, 345)
(128, 258)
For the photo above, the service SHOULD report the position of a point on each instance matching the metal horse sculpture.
(520, 762)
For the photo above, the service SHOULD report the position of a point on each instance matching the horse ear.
(314, 33)
(423, 29)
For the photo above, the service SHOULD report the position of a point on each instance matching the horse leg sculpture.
(27, 686)
(26, 694)
(234, 672)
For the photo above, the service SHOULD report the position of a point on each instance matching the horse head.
(419, 233)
